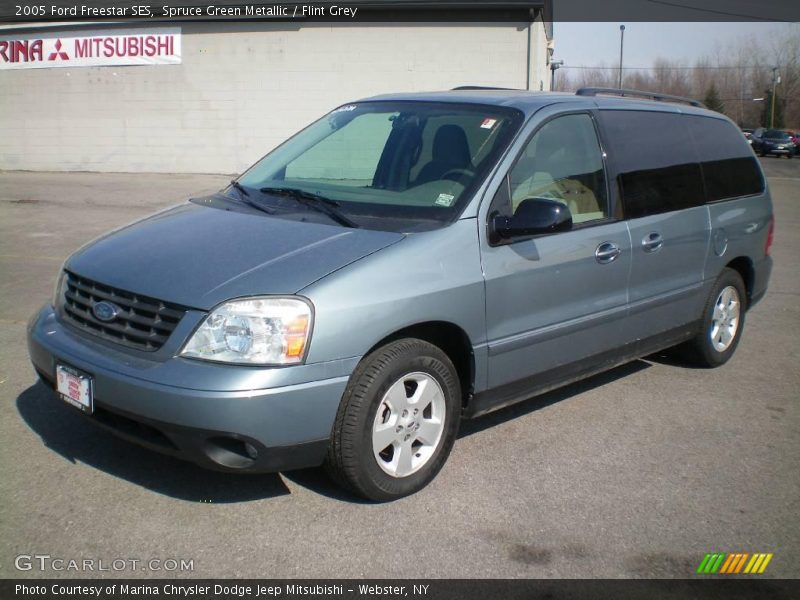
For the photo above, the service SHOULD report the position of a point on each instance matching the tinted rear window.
(657, 165)
(729, 167)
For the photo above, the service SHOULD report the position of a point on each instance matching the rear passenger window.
(729, 167)
(655, 160)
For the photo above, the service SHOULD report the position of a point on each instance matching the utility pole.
(776, 79)
(741, 100)
(621, 41)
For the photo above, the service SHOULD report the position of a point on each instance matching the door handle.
(652, 241)
(606, 252)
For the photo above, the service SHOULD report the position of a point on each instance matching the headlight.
(254, 331)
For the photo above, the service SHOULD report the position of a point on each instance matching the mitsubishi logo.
(58, 53)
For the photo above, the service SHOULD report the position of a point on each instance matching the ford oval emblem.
(105, 311)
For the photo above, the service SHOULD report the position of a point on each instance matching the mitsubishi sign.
(160, 46)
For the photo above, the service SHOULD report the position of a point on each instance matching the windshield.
(776, 134)
(390, 165)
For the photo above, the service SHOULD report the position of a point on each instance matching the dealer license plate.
(75, 388)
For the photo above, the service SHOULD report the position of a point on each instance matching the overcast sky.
(591, 44)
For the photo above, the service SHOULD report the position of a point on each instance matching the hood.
(199, 256)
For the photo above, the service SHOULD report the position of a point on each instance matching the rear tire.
(722, 322)
(397, 421)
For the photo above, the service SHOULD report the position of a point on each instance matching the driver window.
(563, 162)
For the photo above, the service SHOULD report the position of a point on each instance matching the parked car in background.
(772, 141)
(795, 135)
(748, 134)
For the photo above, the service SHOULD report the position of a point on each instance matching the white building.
(214, 96)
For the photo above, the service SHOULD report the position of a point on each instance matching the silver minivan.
(407, 261)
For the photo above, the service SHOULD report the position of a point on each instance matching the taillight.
(770, 235)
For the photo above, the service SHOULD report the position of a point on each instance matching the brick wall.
(241, 90)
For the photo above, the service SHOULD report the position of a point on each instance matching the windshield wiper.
(314, 201)
(239, 188)
(244, 196)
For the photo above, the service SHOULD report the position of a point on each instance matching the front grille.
(142, 323)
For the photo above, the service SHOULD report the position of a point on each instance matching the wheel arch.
(448, 337)
(744, 266)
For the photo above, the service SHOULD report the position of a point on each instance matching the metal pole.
(528, 60)
(621, 41)
(772, 100)
(741, 100)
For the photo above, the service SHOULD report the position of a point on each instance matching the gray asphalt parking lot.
(637, 472)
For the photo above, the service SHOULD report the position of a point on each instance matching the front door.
(556, 303)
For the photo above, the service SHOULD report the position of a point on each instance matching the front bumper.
(245, 419)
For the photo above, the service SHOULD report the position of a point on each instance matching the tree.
(712, 100)
(779, 121)
(739, 71)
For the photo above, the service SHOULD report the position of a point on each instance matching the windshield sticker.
(445, 200)
(347, 108)
(488, 123)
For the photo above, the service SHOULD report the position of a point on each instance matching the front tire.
(397, 421)
(722, 322)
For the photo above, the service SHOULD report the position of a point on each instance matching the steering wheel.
(459, 173)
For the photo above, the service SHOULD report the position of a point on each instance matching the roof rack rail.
(481, 87)
(594, 91)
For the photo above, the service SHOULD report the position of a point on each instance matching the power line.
(745, 99)
(587, 67)
(716, 12)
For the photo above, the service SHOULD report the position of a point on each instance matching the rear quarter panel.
(739, 228)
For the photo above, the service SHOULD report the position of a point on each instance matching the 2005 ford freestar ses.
(406, 261)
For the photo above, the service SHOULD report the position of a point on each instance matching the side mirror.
(533, 216)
